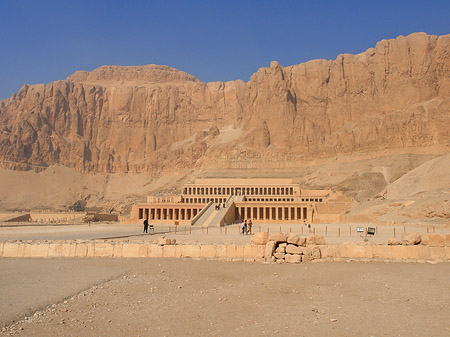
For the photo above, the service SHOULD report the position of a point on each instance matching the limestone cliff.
(152, 118)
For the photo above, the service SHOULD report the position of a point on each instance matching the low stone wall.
(384, 252)
(435, 250)
(63, 249)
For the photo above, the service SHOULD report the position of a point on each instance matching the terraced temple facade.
(216, 202)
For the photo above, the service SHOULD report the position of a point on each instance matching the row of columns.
(239, 190)
(203, 200)
(168, 213)
(272, 213)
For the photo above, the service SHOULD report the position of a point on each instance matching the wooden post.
(267, 230)
(350, 230)
(314, 231)
(394, 232)
(434, 229)
(302, 230)
(290, 230)
(190, 229)
(404, 229)
(207, 230)
(202, 230)
(377, 230)
(280, 229)
(326, 230)
(428, 230)
(339, 231)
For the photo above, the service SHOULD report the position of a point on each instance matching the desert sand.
(153, 297)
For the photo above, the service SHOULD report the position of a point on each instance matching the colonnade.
(203, 200)
(274, 212)
(172, 213)
(238, 190)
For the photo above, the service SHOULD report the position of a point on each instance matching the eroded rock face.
(156, 118)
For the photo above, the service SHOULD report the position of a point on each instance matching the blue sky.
(43, 41)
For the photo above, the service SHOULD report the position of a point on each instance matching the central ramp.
(217, 214)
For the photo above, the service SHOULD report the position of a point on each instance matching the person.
(250, 224)
(242, 227)
(245, 226)
(146, 225)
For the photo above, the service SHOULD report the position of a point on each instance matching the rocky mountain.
(153, 119)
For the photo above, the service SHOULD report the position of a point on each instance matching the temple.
(218, 202)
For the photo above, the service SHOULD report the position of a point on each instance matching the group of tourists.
(246, 228)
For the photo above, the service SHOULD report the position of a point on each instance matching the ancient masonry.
(217, 202)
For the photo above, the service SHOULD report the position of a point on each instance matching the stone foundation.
(293, 252)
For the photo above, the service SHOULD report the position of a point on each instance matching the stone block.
(154, 251)
(394, 242)
(293, 258)
(302, 241)
(277, 237)
(90, 249)
(260, 238)
(411, 239)
(191, 251)
(10, 249)
(280, 250)
(399, 252)
(39, 250)
(447, 240)
(118, 250)
(341, 251)
(169, 251)
(293, 239)
(131, 250)
(436, 240)
(248, 253)
(55, 250)
(315, 253)
(104, 249)
(437, 253)
(279, 256)
(382, 252)
(355, 251)
(240, 252)
(81, 250)
(1, 248)
(221, 251)
(315, 240)
(293, 249)
(231, 251)
(328, 251)
(143, 250)
(418, 252)
(208, 251)
(23, 250)
(269, 249)
(72, 248)
(307, 254)
(447, 253)
(178, 251)
(27, 249)
(257, 252)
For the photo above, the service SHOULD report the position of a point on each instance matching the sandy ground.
(211, 298)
